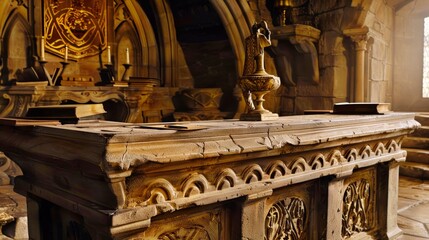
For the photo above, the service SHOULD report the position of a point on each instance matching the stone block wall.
(380, 51)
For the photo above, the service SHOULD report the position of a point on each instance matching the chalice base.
(258, 116)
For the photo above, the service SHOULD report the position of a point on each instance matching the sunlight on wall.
(426, 60)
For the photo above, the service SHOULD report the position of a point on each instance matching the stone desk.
(298, 177)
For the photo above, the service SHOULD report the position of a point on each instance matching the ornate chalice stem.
(259, 101)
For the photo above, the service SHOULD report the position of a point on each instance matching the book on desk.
(68, 113)
(361, 108)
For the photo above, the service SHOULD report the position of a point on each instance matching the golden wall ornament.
(80, 25)
(256, 82)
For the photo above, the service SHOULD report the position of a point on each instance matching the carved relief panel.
(290, 214)
(81, 25)
(359, 201)
(206, 225)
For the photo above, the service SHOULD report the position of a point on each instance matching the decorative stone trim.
(231, 182)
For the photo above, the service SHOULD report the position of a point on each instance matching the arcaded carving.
(365, 152)
(194, 184)
(318, 162)
(357, 208)
(351, 155)
(189, 233)
(226, 179)
(392, 146)
(277, 169)
(160, 191)
(379, 150)
(165, 192)
(336, 158)
(287, 219)
(253, 173)
(299, 165)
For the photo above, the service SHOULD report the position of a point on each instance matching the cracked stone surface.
(413, 205)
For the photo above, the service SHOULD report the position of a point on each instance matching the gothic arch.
(149, 60)
(168, 42)
(237, 19)
(126, 37)
(20, 56)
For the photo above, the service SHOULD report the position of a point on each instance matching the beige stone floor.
(413, 208)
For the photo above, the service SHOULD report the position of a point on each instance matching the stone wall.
(408, 58)
(380, 20)
(158, 53)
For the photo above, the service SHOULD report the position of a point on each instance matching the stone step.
(414, 170)
(421, 132)
(416, 142)
(422, 118)
(417, 155)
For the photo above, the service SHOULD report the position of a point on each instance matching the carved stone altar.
(15, 100)
(299, 177)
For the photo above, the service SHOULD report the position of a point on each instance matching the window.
(426, 59)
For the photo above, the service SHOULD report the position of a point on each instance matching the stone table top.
(125, 145)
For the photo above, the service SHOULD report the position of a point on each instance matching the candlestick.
(109, 57)
(127, 54)
(66, 54)
(42, 49)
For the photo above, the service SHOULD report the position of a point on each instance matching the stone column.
(335, 207)
(253, 216)
(392, 229)
(359, 36)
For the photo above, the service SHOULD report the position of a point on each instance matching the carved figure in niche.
(255, 80)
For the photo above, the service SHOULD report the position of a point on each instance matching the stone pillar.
(392, 229)
(335, 206)
(253, 215)
(359, 37)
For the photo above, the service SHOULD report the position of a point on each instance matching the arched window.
(426, 59)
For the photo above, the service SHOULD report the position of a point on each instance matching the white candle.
(42, 49)
(109, 57)
(127, 55)
(66, 54)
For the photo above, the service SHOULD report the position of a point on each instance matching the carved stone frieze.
(286, 220)
(170, 192)
(358, 212)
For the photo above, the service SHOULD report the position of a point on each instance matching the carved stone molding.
(287, 219)
(167, 194)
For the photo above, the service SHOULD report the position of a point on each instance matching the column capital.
(359, 36)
